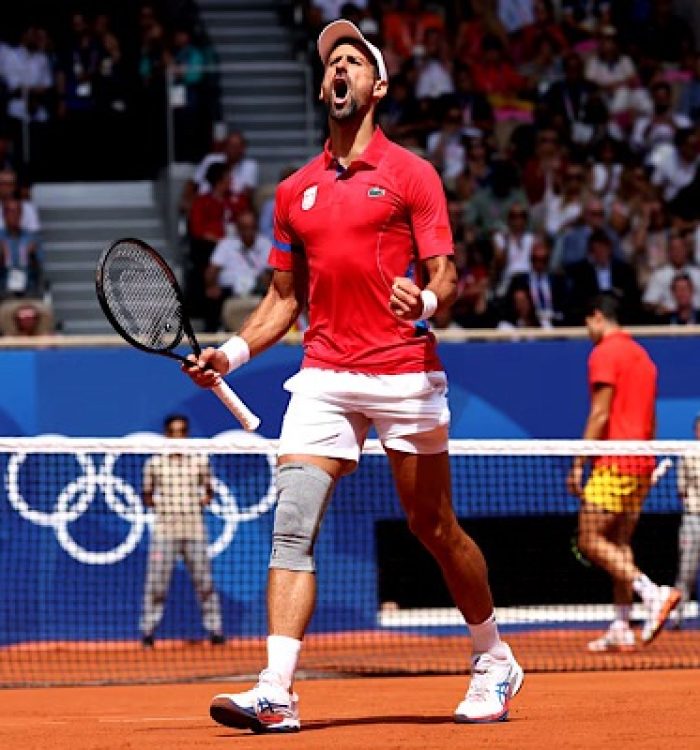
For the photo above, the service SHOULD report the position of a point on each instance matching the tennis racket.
(140, 296)
(657, 475)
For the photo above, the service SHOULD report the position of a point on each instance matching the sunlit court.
(386, 656)
(554, 710)
(349, 388)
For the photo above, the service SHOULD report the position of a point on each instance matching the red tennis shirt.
(621, 362)
(359, 228)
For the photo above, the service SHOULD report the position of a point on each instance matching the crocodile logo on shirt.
(376, 192)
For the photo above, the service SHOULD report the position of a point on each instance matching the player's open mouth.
(341, 92)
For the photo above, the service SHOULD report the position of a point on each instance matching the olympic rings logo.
(76, 497)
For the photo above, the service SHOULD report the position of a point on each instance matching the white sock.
(645, 588)
(622, 613)
(282, 657)
(485, 638)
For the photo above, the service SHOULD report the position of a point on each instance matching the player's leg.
(609, 513)
(198, 565)
(411, 416)
(304, 487)
(162, 556)
(660, 601)
(607, 518)
(601, 527)
(423, 483)
(305, 481)
(603, 539)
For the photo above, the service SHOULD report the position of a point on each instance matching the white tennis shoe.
(494, 682)
(618, 637)
(268, 707)
(660, 608)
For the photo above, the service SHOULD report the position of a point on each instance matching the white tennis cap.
(342, 29)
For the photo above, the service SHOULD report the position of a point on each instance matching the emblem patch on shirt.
(376, 192)
(309, 198)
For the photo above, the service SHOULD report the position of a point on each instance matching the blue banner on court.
(73, 557)
(497, 390)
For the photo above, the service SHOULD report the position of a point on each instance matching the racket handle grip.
(234, 404)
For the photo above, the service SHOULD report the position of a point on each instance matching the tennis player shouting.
(349, 228)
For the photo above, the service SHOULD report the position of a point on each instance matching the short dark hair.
(176, 418)
(607, 303)
(599, 237)
(215, 172)
(681, 277)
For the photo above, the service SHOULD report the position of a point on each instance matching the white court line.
(546, 614)
(88, 719)
(31, 720)
(143, 719)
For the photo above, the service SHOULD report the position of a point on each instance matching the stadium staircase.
(78, 221)
(265, 90)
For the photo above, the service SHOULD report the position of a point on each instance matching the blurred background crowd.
(566, 133)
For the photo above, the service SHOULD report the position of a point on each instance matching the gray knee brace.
(303, 492)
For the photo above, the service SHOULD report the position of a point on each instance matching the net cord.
(243, 443)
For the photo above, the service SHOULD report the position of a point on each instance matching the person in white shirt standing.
(28, 76)
(512, 247)
(434, 76)
(178, 487)
(660, 126)
(236, 272)
(675, 166)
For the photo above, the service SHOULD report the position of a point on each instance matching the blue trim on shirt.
(285, 247)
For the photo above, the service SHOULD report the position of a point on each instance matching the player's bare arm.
(270, 320)
(406, 301)
(598, 415)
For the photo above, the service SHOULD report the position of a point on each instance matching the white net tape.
(235, 442)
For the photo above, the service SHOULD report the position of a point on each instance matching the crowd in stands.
(567, 136)
(566, 133)
(83, 96)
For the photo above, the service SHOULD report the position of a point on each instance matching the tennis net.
(75, 539)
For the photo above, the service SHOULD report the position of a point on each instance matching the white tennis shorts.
(330, 413)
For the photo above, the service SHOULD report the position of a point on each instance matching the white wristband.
(236, 351)
(430, 304)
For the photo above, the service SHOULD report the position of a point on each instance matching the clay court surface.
(634, 709)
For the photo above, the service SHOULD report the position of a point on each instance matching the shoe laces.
(480, 688)
(269, 678)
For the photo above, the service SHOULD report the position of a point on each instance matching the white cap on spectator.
(342, 29)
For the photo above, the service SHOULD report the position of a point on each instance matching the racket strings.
(142, 298)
